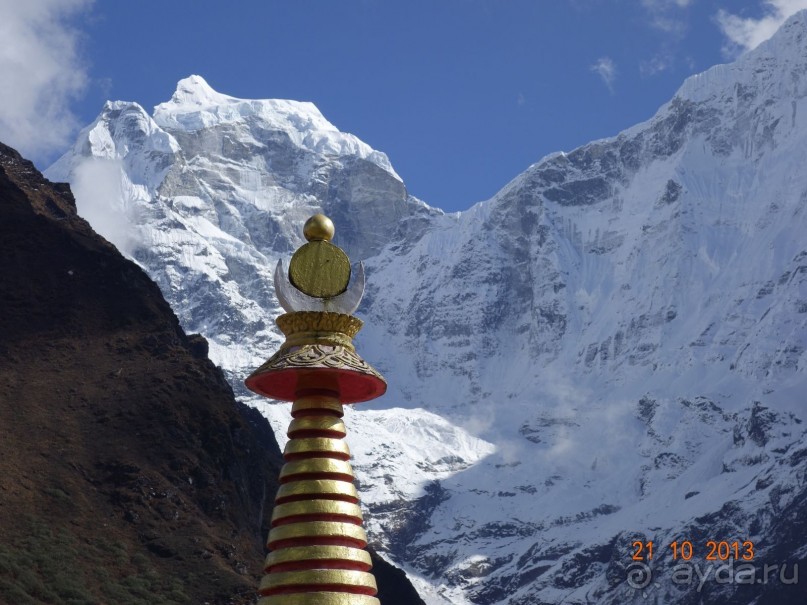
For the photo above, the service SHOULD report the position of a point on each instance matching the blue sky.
(461, 94)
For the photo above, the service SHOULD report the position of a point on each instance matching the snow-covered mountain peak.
(194, 90)
(778, 66)
(195, 106)
(123, 133)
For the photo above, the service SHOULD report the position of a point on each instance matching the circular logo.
(639, 575)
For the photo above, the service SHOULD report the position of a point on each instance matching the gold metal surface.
(312, 403)
(316, 465)
(318, 553)
(318, 321)
(319, 598)
(319, 227)
(317, 529)
(318, 487)
(312, 445)
(320, 269)
(317, 423)
(329, 339)
(315, 356)
(328, 577)
(321, 342)
(316, 507)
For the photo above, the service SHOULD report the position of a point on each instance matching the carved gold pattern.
(319, 321)
(310, 357)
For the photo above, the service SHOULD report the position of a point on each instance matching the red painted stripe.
(316, 412)
(295, 589)
(321, 496)
(305, 476)
(307, 455)
(299, 394)
(307, 433)
(316, 541)
(318, 564)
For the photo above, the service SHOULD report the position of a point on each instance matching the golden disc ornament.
(319, 268)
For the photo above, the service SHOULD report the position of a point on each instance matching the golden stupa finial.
(317, 541)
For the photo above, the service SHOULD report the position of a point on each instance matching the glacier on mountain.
(610, 349)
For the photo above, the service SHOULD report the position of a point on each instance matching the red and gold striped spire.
(317, 541)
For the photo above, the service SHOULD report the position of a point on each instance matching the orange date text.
(685, 550)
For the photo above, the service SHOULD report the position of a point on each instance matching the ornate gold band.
(317, 445)
(317, 402)
(316, 465)
(330, 424)
(360, 580)
(316, 507)
(318, 529)
(318, 553)
(332, 339)
(317, 321)
(340, 490)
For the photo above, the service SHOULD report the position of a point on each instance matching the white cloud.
(665, 4)
(655, 65)
(41, 73)
(671, 18)
(97, 185)
(667, 15)
(748, 33)
(606, 69)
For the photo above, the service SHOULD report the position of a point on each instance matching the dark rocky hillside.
(128, 472)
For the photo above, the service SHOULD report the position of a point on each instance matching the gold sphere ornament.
(319, 228)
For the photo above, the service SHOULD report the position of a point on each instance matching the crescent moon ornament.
(348, 301)
(292, 299)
